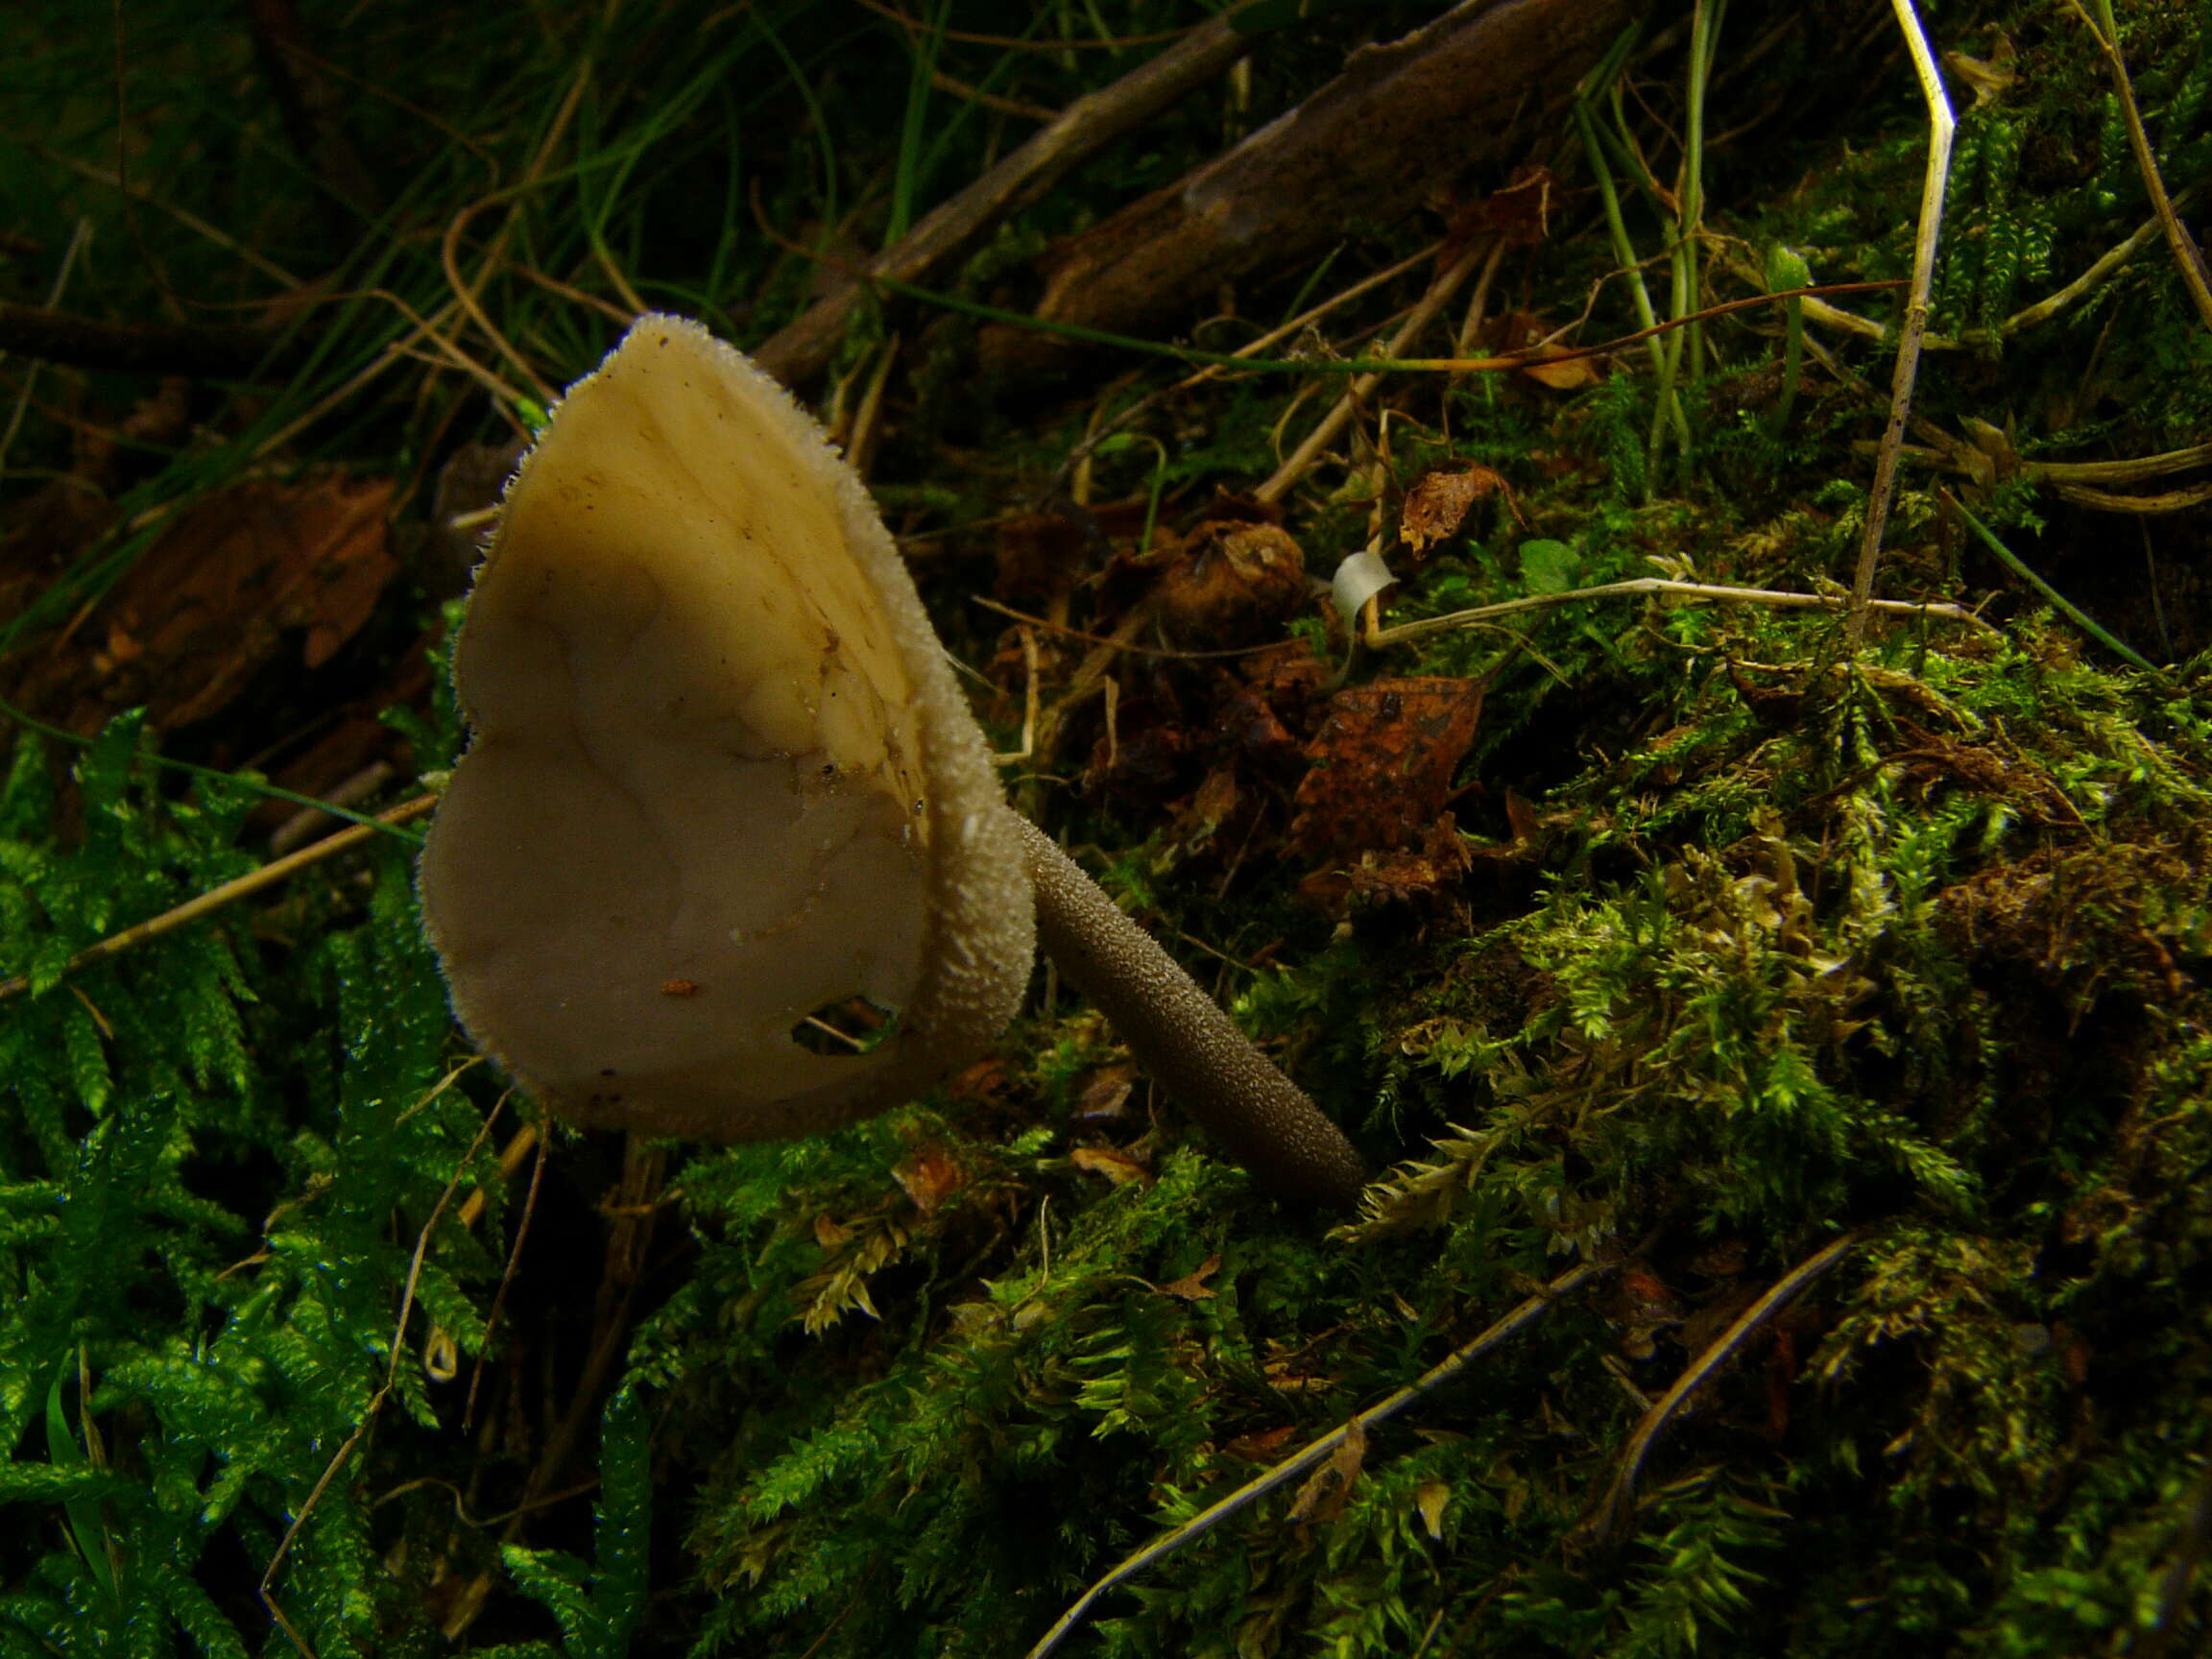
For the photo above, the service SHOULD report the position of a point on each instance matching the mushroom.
(723, 780)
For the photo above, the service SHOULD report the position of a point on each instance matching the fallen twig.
(199, 352)
(1445, 284)
(1463, 92)
(796, 351)
(1519, 1318)
(216, 898)
(1607, 1523)
(1817, 310)
(1941, 124)
(1405, 632)
(2104, 28)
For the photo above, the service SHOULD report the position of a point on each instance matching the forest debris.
(1454, 94)
(796, 351)
(215, 598)
(1392, 877)
(1606, 1523)
(1988, 78)
(1641, 1305)
(1235, 584)
(1525, 334)
(1382, 762)
(1440, 500)
(1106, 1095)
(1561, 370)
(856, 1253)
(1118, 1167)
(928, 1176)
(1191, 1287)
(1430, 1499)
(1329, 1488)
(1261, 1445)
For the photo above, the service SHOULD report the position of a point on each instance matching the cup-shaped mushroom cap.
(722, 775)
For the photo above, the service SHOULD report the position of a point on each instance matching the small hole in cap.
(848, 1026)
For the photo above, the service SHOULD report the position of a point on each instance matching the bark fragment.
(1404, 123)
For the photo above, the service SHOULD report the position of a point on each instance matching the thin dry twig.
(1820, 311)
(2114, 501)
(796, 352)
(2186, 259)
(2109, 262)
(1607, 1523)
(216, 898)
(531, 1138)
(1106, 429)
(1318, 1452)
(391, 1370)
(1667, 587)
(1941, 124)
(1440, 291)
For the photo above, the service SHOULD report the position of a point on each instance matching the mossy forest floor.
(1842, 1010)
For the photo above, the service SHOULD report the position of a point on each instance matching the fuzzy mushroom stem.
(1181, 1036)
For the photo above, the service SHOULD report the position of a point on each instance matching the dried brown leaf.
(1329, 1488)
(1118, 1167)
(1430, 1499)
(928, 1177)
(238, 575)
(1381, 765)
(1439, 501)
(1191, 1287)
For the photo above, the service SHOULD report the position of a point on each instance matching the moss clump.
(1719, 941)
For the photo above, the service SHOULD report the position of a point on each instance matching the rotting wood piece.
(1455, 99)
(796, 351)
(199, 352)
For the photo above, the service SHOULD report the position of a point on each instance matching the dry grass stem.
(230, 892)
(1333, 424)
(1660, 586)
(1605, 1527)
(1302, 1462)
(1941, 125)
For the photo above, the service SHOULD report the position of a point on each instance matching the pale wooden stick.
(1941, 124)
(1607, 1523)
(1405, 632)
(2191, 263)
(1521, 1316)
(794, 352)
(1446, 284)
(215, 898)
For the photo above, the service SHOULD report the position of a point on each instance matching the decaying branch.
(196, 351)
(1317, 1452)
(1451, 102)
(1609, 1521)
(796, 351)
